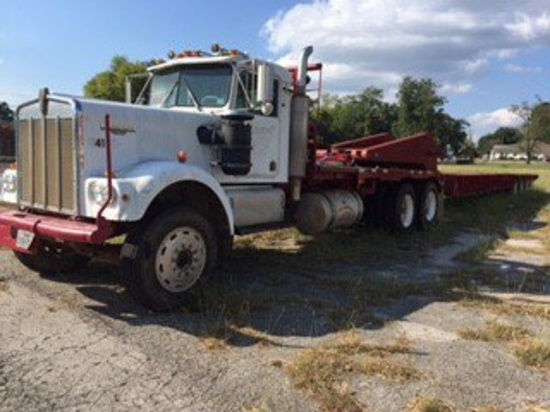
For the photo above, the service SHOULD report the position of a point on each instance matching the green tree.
(418, 107)
(503, 135)
(540, 122)
(6, 113)
(353, 116)
(109, 85)
(535, 127)
(467, 151)
(450, 132)
(7, 141)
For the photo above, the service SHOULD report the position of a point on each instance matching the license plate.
(24, 239)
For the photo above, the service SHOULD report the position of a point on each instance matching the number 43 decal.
(99, 143)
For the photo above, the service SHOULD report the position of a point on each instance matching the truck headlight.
(98, 192)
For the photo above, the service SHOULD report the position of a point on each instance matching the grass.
(528, 350)
(256, 409)
(487, 409)
(324, 372)
(428, 404)
(524, 204)
(288, 250)
(425, 404)
(533, 352)
(496, 332)
(500, 307)
(364, 294)
(536, 408)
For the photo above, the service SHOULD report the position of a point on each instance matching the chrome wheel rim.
(180, 259)
(406, 212)
(430, 206)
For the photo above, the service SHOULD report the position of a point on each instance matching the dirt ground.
(384, 336)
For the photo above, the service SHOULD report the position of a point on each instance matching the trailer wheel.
(403, 208)
(50, 259)
(429, 206)
(167, 261)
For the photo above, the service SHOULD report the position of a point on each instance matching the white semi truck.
(203, 155)
(217, 144)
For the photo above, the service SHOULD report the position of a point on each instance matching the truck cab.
(226, 84)
(214, 145)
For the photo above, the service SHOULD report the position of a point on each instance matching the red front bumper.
(56, 228)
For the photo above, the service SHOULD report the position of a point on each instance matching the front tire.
(167, 261)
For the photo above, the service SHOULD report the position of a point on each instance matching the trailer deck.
(366, 161)
(457, 186)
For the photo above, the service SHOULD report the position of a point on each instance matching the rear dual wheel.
(429, 206)
(407, 207)
(403, 208)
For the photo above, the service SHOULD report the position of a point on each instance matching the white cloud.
(377, 42)
(456, 88)
(527, 27)
(484, 123)
(14, 97)
(515, 68)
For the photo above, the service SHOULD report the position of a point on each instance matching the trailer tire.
(51, 259)
(403, 208)
(429, 204)
(167, 261)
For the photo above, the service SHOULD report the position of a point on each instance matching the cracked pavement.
(77, 342)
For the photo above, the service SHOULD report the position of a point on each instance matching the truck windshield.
(188, 86)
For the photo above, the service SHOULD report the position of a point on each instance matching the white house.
(515, 152)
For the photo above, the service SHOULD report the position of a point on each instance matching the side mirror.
(265, 89)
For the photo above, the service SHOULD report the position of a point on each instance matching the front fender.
(137, 187)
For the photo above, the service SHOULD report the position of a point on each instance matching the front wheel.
(166, 261)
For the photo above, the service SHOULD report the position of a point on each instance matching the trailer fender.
(136, 188)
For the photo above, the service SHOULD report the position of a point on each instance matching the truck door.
(268, 164)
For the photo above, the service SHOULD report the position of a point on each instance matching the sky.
(484, 55)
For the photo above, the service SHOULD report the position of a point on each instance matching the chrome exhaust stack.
(299, 128)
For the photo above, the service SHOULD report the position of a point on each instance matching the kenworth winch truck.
(216, 145)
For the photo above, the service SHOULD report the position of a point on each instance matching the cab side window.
(247, 90)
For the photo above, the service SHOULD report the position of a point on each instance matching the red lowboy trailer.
(382, 156)
(458, 186)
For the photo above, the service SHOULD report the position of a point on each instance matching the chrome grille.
(47, 164)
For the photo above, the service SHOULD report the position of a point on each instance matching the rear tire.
(403, 208)
(429, 205)
(50, 259)
(166, 262)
